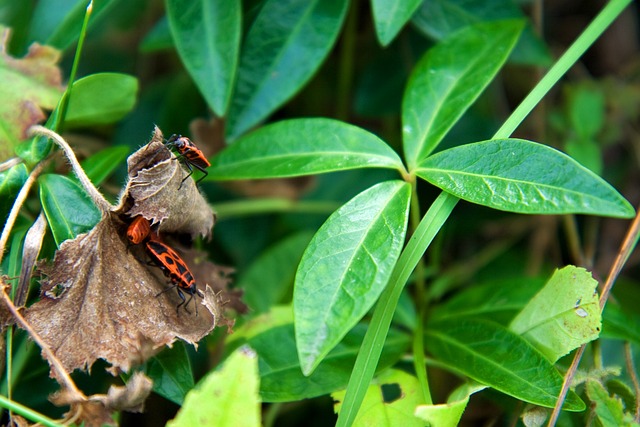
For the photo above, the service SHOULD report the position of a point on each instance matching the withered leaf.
(96, 410)
(29, 84)
(156, 191)
(101, 299)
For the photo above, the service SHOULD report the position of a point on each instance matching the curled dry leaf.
(99, 298)
(97, 410)
(155, 190)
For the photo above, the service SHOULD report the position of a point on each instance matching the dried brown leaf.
(130, 398)
(99, 301)
(100, 298)
(155, 190)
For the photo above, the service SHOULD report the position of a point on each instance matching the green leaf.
(171, 373)
(608, 410)
(225, 397)
(497, 357)
(302, 147)
(285, 45)
(448, 414)
(389, 401)
(281, 379)
(448, 79)
(99, 166)
(58, 22)
(346, 266)
(101, 98)
(440, 18)
(68, 209)
(207, 38)
(618, 322)
(390, 16)
(158, 38)
(496, 300)
(515, 175)
(269, 279)
(564, 315)
(11, 181)
(586, 110)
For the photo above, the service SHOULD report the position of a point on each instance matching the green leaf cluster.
(346, 301)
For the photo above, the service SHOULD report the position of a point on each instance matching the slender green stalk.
(28, 413)
(347, 56)
(246, 207)
(64, 103)
(566, 61)
(369, 353)
(419, 361)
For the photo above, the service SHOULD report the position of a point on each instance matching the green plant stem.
(347, 56)
(419, 362)
(566, 61)
(369, 353)
(64, 103)
(28, 413)
(241, 208)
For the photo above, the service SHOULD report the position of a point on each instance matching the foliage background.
(362, 83)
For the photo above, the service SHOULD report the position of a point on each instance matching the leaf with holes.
(563, 315)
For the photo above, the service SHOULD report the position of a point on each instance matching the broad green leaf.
(58, 22)
(302, 147)
(617, 322)
(346, 266)
(608, 410)
(440, 18)
(564, 315)
(497, 357)
(285, 45)
(269, 279)
(101, 98)
(389, 16)
(448, 414)
(389, 401)
(521, 176)
(171, 373)
(207, 38)
(281, 378)
(448, 79)
(225, 397)
(499, 300)
(69, 210)
(99, 166)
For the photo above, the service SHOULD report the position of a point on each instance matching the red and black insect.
(190, 154)
(138, 230)
(176, 269)
(171, 264)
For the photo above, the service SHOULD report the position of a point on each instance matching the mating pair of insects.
(139, 231)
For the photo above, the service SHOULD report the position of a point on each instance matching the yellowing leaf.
(564, 315)
(28, 85)
(449, 414)
(226, 397)
(390, 401)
